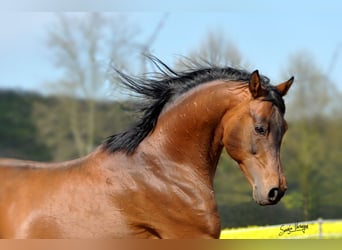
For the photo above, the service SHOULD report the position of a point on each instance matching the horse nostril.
(273, 195)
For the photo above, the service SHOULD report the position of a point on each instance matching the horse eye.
(260, 130)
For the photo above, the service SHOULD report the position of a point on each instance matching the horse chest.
(168, 210)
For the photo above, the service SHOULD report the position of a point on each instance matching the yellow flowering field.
(326, 229)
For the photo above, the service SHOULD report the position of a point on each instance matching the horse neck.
(189, 132)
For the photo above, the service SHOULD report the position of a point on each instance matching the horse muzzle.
(270, 197)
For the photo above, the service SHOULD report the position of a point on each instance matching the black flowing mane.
(166, 85)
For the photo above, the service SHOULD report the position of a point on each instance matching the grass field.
(320, 229)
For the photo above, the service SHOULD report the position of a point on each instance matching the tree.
(215, 49)
(313, 94)
(310, 147)
(83, 47)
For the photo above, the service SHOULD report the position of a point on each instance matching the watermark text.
(290, 228)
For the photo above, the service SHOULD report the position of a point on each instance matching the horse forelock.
(274, 96)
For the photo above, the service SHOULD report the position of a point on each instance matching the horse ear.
(255, 85)
(285, 86)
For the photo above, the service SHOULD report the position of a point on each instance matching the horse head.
(252, 136)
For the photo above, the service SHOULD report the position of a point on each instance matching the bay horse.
(155, 180)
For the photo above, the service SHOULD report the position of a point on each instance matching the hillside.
(19, 133)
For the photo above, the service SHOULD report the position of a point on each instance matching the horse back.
(43, 199)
